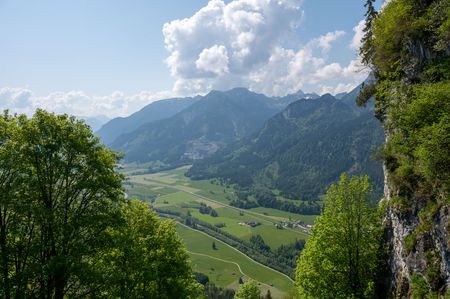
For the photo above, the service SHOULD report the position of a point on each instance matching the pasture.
(225, 265)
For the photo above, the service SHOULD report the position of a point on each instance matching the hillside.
(302, 149)
(199, 130)
(150, 113)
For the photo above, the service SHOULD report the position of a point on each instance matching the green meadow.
(171, 190)
(225, 265)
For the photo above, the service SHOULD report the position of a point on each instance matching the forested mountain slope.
(200, 130)
(302, 149)
(150, 113)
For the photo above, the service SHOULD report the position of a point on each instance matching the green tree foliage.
(341, 259)
(248, 290)
(258, 242)
(411, 64)
(201, 278)
(288, 253)
(204, 209)
(65, 196)
(148, 259)
(214, 292)
(418, 155)
(9, 214)
(64, 224)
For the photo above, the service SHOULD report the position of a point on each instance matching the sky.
(111, 57)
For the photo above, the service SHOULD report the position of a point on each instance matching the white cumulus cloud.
(79, 103)
(213, 60)
(243, 43)
(248, 43)
(324, 42)
(358, 35)
(15, 97)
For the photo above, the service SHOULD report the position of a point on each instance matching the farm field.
(172, 191)
(221, 265)
(281, 215)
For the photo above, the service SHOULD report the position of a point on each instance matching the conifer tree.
(367, 48)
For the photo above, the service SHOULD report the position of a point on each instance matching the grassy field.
(282, 215)
(232, 218)
(171, 190)
(225, 264)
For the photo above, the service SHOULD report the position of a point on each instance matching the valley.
(243, 175)
(174, 195)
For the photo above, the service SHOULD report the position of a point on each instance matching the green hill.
(302, 149)
(150, 113)
(199, 130)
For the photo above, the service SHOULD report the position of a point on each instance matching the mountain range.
(302, 149)
(297, 144)
(192, 128)
(155, 111)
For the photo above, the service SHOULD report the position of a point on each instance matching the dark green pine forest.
(301, 150)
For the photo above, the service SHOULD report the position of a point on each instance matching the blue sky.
(112, 54)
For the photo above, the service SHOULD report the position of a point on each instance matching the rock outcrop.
(417, 236)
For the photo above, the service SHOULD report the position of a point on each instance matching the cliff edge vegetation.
(407, 47)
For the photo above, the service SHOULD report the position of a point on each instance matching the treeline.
(282, 260)
(65, 229)
(212, 291)
(265, 198)
(204, 209)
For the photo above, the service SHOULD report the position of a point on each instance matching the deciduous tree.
(148, 259)
(248, 290)
(65, 229)
(341, 259)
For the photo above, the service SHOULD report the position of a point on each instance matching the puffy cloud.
(328, 72)
(324, 42)
(22, 100)
(243, 43)
(358, 30)
(15, 97)
(213, 60)
(222, 44)
(338, 89)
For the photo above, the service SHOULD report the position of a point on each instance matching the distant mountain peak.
(300, 94)
(302, 149)
(327, 96)
(199, 130)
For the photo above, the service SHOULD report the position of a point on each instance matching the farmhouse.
(250, 223)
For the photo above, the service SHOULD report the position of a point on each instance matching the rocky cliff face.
(417, 235)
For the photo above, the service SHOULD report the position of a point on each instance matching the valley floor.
(172, 192)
